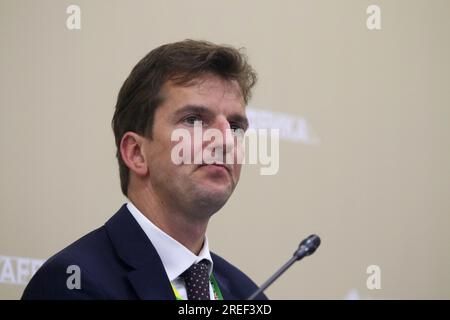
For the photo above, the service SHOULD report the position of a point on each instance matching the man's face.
(198, 189)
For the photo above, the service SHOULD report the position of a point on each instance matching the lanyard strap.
(215, 286)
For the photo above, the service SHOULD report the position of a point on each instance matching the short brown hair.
(180, 62)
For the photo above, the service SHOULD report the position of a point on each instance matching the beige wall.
(376, 187)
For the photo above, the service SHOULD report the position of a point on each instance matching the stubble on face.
(197, 190)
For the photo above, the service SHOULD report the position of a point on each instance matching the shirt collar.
(175, 257)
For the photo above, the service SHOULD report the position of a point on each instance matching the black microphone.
(306, 248)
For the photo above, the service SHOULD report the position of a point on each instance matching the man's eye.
(236, 127)
(192, 119)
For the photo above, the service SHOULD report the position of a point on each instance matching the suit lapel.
(150, 286)
(147, 275)
(224, 286)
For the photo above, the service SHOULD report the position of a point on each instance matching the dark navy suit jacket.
(118, 261)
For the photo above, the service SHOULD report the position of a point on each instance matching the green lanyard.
(216, 290)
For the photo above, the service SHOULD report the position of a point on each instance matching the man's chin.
(212, 200)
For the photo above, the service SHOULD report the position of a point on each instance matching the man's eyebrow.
(200, 109)
(190, 108)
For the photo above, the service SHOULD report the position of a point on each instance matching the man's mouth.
(219, 165)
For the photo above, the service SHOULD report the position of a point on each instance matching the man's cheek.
(183, 149)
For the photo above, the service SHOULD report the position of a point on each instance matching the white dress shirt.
(175, 257)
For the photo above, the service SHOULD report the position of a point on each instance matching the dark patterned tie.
(197, 281)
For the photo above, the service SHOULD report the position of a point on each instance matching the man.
(155, 246)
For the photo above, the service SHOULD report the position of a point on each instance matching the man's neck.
(187, 231)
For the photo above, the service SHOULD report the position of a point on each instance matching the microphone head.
(308, 246)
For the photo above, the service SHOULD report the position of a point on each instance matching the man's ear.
(132, 152)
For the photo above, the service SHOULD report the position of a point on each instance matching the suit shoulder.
(85, 256)
(89, 251)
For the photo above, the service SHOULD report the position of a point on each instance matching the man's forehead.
(206, 86)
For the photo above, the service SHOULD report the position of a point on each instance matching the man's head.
(170, 88)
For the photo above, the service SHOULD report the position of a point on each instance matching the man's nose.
(224, 145)
(224, 127)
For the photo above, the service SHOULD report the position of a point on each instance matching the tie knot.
(196, 278)
(197, 269)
